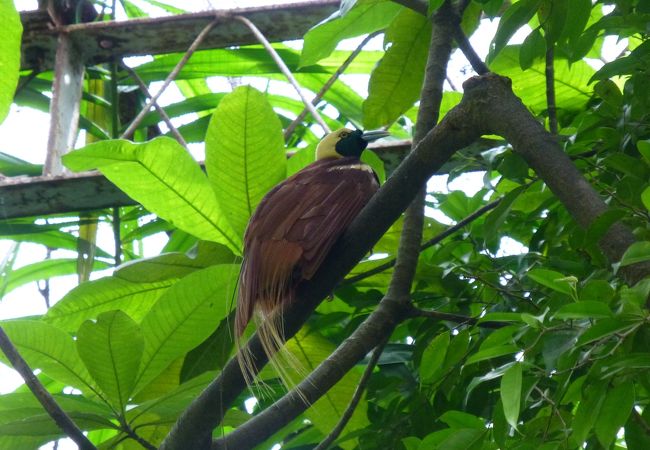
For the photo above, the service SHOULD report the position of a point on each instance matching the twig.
(143, 87)
(456, 318)
(42, 395)
(285, 70)
(117, 225)
(172, 75)
(135, 436)
(358, 393)
(328, 84)
(464, 45)
(430, 243)
(550, 89)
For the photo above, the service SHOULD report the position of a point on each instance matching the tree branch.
(464, 45)
(328, 84)
(50, 405)
(549, 72)
(488, 107)
(398, 295)
(430, 243)
(171, 77)
(358, 393)
(284, 69)
(456, 318)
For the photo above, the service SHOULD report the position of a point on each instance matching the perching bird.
(293, 229)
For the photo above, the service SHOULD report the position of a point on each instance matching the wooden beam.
(101, 41)
(71, 194)
(65, 104)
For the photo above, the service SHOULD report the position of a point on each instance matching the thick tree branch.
(286, 409)
(50, 405)
(488, 107)
(464, 45)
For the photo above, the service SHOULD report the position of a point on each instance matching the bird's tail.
(269, 324)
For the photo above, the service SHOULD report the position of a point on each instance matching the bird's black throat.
(352, 145)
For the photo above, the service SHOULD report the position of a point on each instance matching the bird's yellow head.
(346, 142)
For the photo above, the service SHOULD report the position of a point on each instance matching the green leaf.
(551, 279)
(613, 414)
(10, 39)
(433, 357)
(185, 316)
(50, 349)
(111, 348)
(578, 12)
(514, 18)
(92, 298)
(511, 393)
(571, 91)
(45, 270)
(245, 154)
(492, 352)
(497, 217)
(588, 411)
(396, 82)
(636, 436)
(461, 439)
(164, 178)
(636, 253)
(583, 310)
(460, 419)
(365, 17)
(645, 198)
(602, 329)
(644, 149)
(533, 47)
(597, 290)
(433, 6)
(175, 265)
(553, 17)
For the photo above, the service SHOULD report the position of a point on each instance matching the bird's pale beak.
(373, 135)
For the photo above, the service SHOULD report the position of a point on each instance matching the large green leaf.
(45, 270)
(616, 409)
(516, 16)
(245, 154)
(164, 178)
(184, 317)
(50, 349)
(10, 37)
(92, 298)
(111, 348)
(249, 61)
(571, 81)
(175, 265)
(366, 16)
(511, 393)
(396, 81)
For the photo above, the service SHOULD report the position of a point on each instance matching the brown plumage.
(293, 229)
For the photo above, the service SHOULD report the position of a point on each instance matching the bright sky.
(24, 134)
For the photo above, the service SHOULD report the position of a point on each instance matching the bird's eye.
(344, 134)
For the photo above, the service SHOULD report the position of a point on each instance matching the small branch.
(171, 77)
(285, 70)
(430, 243)
(464, 45)
(456, 318)
(42, 395)
(163, 115)
(550, 89)
(328, 84)
(358, 393)
(117, 225)
(135, 436)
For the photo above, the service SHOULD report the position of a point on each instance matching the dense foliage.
(568, 368)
